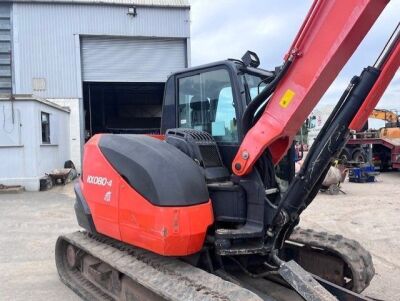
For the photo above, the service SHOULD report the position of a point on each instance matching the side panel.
(120, 212)
(171, 231)
(82, 211)
(101, 189)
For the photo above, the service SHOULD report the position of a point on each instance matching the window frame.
(48, 134)
(235, 92)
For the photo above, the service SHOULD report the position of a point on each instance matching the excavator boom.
(329, 36)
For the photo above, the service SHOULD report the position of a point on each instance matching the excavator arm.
(385, 115)
(328, 37)
(363, 92)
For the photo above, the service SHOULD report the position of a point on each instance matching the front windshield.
(254, 84)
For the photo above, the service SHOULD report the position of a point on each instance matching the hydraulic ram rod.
(389, 63)
(331, 140)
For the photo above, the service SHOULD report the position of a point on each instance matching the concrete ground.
(31, 222)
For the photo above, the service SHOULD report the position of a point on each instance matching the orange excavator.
(386, 115)
(392, 126)
(208, 210)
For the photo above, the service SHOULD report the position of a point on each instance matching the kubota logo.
(101, 181)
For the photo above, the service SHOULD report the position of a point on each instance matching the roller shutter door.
(107, 59)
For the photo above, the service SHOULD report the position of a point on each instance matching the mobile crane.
(202, 212)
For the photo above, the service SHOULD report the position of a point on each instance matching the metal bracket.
(304, 283)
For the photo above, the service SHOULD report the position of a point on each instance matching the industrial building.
(107, 61)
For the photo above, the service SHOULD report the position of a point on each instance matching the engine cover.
(145, 192)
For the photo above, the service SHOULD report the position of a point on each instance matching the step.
(242, 248)
(247, 231)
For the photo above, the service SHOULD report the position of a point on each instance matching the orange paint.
(120, 212)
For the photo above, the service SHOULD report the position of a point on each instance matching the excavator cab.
(213, 98)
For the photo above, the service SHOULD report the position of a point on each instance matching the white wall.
(321, 115)
(24, 158)
(74, 129)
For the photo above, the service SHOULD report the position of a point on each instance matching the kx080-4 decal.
(101, 181)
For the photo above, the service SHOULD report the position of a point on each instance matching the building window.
(45, 118)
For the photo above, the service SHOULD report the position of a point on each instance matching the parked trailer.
(385, 151)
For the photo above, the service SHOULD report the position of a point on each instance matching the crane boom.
(329, 36)
(384, 115)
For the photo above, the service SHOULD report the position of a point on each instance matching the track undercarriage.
(100, 268)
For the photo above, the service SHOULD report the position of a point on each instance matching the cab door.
(206, 101)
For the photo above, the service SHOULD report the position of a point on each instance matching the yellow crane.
(387, 115)
(392, 128)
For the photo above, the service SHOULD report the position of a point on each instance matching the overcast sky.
(223, 29)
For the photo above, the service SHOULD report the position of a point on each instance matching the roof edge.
(186, 5)
(29, 97)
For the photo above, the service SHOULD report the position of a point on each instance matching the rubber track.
(167, 277)
(356, 257)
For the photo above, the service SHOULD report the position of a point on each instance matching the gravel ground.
(368, 213)
(31, 223)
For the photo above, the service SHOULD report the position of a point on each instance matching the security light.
(251, 59)
(132, 11)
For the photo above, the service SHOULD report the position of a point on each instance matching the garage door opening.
(130, 108)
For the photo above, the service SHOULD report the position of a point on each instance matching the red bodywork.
(389, 69)
(329, 36)
(120, 212)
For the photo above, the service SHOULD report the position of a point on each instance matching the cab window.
(206, 103)
(255, 84)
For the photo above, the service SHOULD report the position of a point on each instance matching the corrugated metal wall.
(159, 3)
(5, 49)
(131, 60)
(44, 39)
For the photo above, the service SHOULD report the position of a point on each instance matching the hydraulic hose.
(328, 144)
(248, 115)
